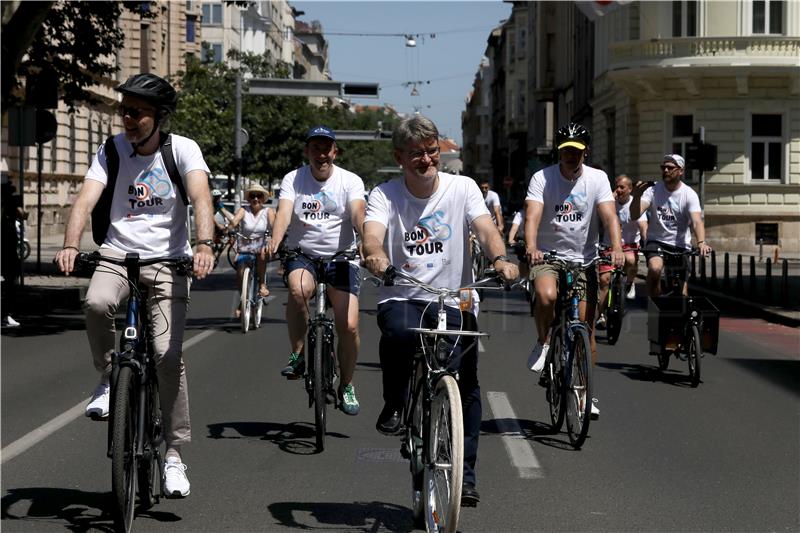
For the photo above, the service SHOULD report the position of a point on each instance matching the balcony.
(753, 51)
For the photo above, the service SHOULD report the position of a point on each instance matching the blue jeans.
(397, 348)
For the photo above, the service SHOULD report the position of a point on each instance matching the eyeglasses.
(133, 112)
(668, 168)
(416, 155)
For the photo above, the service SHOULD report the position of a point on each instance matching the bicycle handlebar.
(349, 255)
(678, 253)
(492, 276)
(184, 264)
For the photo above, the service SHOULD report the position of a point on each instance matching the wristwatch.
(207, 242)
(499, 258)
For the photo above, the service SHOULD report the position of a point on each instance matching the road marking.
(517, 446)
(48, 428)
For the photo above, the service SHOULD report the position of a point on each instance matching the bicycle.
(135, 431)
(530, 296)
(321, 370)
(615, 302)
(683, 326)
(432, 415)
(250, 300)
(568, 368)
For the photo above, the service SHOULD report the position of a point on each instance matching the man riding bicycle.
(563, 205)
(673, 208)
(323, 206)
(396, 232)
(150, 221)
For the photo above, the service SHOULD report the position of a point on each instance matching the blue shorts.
(244, 259)
(340, 275)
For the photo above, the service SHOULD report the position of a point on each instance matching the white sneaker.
(601, 322)
(97, 408)
(631, 294)
(595, 410)
(537, 357)
(176, 484)
(9, 322)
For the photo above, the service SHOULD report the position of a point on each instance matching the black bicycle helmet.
(152, 88)
(573, 135)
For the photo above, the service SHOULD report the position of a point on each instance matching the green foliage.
(276, 124)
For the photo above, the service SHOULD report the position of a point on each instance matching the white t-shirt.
(569, 218)
(254, 226)
(147, 214)
(670, 214)
(321, 223)
(519, 220)
(427, 237)
(630, 228)
(492, 200)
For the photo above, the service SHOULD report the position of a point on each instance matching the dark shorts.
(244, 259)
(340, 275)
(681, 264)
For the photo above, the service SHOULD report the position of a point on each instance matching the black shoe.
(469, 495)
(389, 421)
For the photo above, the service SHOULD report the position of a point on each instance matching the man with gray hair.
(425, 206)
(673, 208)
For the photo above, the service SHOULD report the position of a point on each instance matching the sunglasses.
(133, 112)
(256, 197)
(668, 168)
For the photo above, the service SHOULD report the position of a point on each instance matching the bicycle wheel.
(24, 250)
(245, 299)
(444, 468)
(150, 466)
(555, 382)
(578, 387)
(415, 447)
(232, 255)
(258, 304)
(694, 352)
(320, 404)
(123, 449)
(615, 310)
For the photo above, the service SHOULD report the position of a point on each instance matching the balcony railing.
(706, 51)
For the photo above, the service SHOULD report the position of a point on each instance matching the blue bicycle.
(251, 302)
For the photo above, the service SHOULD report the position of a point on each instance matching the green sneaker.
(349, 404)
(296, 366)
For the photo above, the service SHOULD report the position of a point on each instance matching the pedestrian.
(398, 210)
(322, 207)
(12, 214)
(148, 217)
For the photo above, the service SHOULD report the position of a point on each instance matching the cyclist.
(323, 206)
(516, 240)
(420, 222)
(222, 217)
(255, 220)
(632, 230)
(672, 207)
(564, 203)
(153, 228)
(492, 201)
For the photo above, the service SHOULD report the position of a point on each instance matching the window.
(512, 47)
(212, 13)
(768, 16)
(191, 20)
(766, 147)
(522, 47)
(684, 18)
(211, 52)
(54, 154)
(520, 98)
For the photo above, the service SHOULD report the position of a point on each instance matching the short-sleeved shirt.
(519, 220)
(427, 237)
(254, 225)
(321, 224)
(569, 222)
(670, 214)
(629, 227)
(148, 215)
(492, 200)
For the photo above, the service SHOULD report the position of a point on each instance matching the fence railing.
(763, 285)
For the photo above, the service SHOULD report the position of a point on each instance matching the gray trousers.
(168, 304)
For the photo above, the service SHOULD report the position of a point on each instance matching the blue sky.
(445, 64)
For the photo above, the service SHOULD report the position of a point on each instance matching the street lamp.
(410, 42)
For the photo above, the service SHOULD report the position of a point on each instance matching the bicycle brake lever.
(389, 275)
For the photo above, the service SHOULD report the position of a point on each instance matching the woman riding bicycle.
(256, 220)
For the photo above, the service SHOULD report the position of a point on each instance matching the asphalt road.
(662, 457)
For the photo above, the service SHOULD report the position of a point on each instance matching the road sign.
(22, 126)
(46, 125)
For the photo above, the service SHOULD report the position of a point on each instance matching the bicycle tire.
(615, 310)
(258, 309)
(231, 255)
(320, 404)
(554, 392)
(24, 250)
(416, 453)
(578, 388)
(245, 299)
(123, 449)
(694, 352)
(149, 471)
(444, 468)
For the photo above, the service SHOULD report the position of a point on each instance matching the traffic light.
(701, 155)
(360, 90)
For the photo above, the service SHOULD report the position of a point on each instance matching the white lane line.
(48, 428)
(517, 446)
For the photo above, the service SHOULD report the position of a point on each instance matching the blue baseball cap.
(320, 131)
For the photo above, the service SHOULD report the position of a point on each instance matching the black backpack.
(101, 214)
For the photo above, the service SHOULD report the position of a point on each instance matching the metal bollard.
(703, 270)
(768, 282)
(713, 268)
(785, 283)
(726, 279)
(739, 276)
(694, 270)
(752, 276)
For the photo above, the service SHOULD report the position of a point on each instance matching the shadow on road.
(678, 377)
(783, 373)
(531, 430)
(296, 437)
(80, 510)
(356, 516)
(37, 326)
